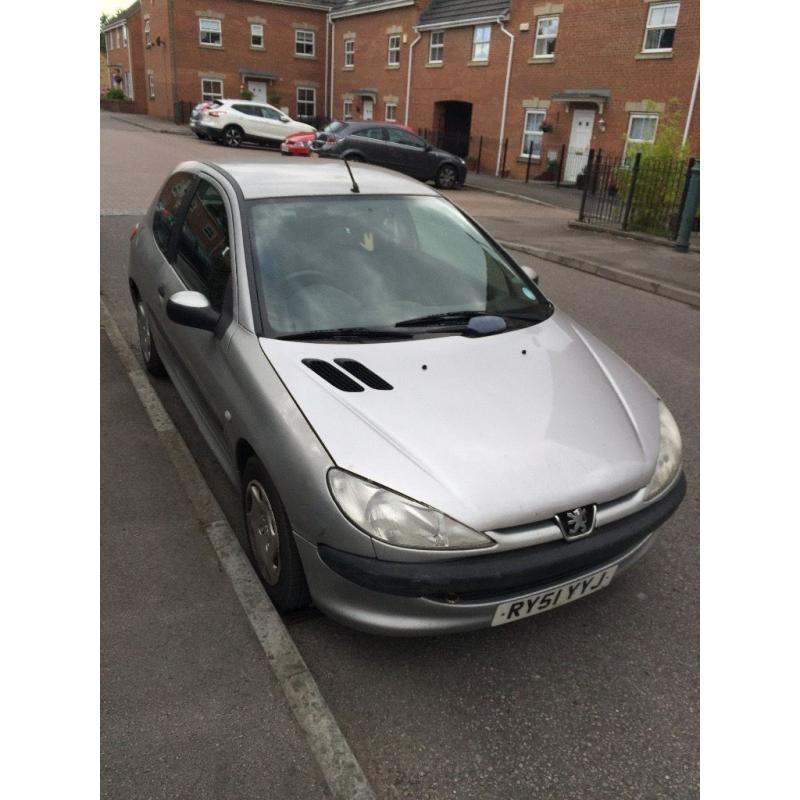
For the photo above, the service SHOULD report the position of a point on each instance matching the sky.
(110, 6)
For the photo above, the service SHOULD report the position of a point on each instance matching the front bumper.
(432, 597)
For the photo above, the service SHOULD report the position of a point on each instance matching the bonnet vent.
(335, 377)
(364, 374)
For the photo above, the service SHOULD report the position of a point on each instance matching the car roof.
(311, 178)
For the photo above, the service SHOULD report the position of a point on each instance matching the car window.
(167, 207)
(371, 133)
(251, 111)
(203, 259)
(335, 127)
(376, 261)
(399, 136)
(270, 113)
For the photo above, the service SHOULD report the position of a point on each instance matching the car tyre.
(147, 347)
(233, 136)
(273, 551)
(359, 159)
(446, 177)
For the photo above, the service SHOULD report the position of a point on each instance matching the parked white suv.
(232, 122)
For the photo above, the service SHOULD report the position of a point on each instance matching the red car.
(297, 144)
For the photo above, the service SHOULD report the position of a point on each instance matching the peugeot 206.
(422, 441)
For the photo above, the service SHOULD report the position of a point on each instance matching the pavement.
(598, 699)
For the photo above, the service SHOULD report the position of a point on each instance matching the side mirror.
(193, 310)
(530, 272)
(428, 147)
(284, 119)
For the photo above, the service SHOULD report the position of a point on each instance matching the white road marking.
(339, 766)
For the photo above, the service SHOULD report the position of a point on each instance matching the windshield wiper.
(457, 317)
(346, 333)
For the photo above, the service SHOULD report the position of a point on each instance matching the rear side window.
(371, 133)
(167, 207)
(252, 111)
(204, 254)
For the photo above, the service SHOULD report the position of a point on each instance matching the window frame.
(648, 27)
(345, 114)
(640, 115)
(311, 89)
(151, 86)
(481, 43)
(312, 42)
(438, 45)
(349, 53)
(148, 40)
(260, 26)
(393, 50)
(208, 96)
(386, 107)
(539, 37)
(208, 30)
(535, 133)
(124, 35)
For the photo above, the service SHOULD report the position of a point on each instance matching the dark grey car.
(391, 146)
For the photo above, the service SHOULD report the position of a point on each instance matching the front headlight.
(398, 520)
(670, 452)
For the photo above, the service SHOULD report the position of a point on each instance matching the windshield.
(374, 262)
(334, 127)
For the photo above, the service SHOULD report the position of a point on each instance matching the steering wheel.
(305, 275)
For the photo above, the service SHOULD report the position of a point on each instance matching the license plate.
(549, 599)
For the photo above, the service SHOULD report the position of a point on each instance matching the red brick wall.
(371, 68)
(278, 55)
(596, 49)
(158, 58)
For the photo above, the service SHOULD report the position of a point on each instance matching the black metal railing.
(635, 193)
(480, 152)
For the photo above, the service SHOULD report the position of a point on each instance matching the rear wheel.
(232, 136)
(269, 535)
(147, 347)
(446, 177)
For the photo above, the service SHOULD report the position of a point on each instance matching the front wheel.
(232, 136)
(446, 177)
(269, 535)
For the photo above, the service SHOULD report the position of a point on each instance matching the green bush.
(246, 94)
(659, 184)
(115, 94)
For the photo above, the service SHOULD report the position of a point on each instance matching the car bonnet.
(495, 431)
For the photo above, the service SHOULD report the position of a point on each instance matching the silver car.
(422, 442)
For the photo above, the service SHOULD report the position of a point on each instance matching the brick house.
(125, 55)
(541, 76)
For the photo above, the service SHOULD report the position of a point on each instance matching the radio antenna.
(354, 188)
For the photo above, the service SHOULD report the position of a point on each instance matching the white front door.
(367, 106)
(580, 141)
(259, 90)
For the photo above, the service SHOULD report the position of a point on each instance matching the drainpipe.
(408, 81)
(328, 22)
(333, 56)
(505, 94)
(691, 104)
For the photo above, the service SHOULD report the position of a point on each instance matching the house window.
(532, 132)
(147, 40)
(436, 53)
(480, 42)
(125, 36)
(349, 52)
(211, 32)
(641, 129)
(256, 36)
(661, 22)
(304, 43)
(546, 33)
(306, 102)
(391, 112)
(347, 111)
(394, 48)
(211, 89)
(151, 84)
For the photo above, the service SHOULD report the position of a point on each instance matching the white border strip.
(339, 766)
